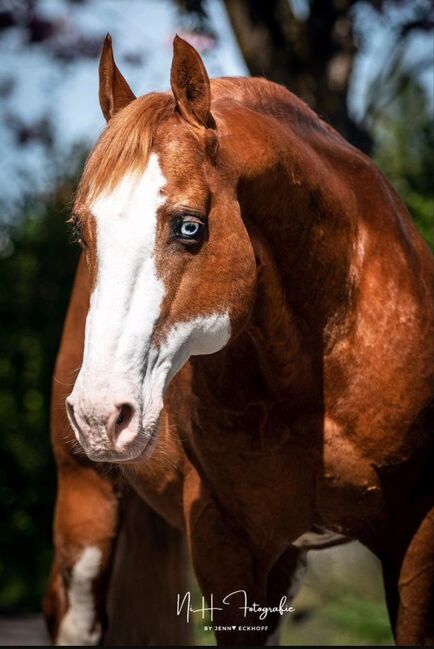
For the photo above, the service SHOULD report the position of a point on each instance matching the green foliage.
(341, 618)
(404, 151)
(36, 267)
(365, 620)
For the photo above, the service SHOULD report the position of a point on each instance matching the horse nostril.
(70, 411)
(69, 407)
(118, 425)
(125, 415)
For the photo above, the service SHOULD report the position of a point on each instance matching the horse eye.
(188, 229)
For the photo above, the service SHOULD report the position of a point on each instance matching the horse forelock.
(124, 146)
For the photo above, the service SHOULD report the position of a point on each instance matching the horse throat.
(270, 363)
(282, 343)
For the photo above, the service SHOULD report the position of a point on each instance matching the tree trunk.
(312, 57)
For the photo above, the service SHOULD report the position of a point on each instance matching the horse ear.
(190, 84)
(114, 92)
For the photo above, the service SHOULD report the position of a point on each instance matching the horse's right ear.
(114, 92)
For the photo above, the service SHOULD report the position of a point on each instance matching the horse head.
(171, 266)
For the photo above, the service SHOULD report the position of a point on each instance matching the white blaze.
(203, 335)
(119, 364)
(127, 297)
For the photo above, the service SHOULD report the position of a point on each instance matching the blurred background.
(366, 66)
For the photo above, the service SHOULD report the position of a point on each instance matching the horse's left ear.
(190, 85)
(114, 91)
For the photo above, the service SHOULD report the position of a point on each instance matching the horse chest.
(279, 479)
(266, 483)
(349, 496)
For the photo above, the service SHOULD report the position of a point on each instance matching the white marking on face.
(199, 336)
(127, 297)
(77, 625)
(119, 363)
(125, 302)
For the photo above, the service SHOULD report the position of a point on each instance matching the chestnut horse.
(253, 322)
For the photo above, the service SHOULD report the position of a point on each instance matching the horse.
(252, 319)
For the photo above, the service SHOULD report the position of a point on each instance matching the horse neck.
(300, 220)
(284, 347)
(293, 187)
(272, 361)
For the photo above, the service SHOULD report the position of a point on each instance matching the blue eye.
(188, 229)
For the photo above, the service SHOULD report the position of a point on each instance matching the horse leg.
(150, 567)
(415, 621)
(228, 572)
(86, 511)
(284, 580)
(84, 529)
(409, 585)
(228, 575)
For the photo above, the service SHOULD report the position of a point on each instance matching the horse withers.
(253, 322)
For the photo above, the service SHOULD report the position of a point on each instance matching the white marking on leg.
(77, 625)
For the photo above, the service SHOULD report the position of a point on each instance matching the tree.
(36, 268)
(404, 151)
(311, 51)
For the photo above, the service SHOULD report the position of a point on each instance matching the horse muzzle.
(110, 431)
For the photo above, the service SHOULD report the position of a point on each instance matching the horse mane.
(126, 143)
(273, 99)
